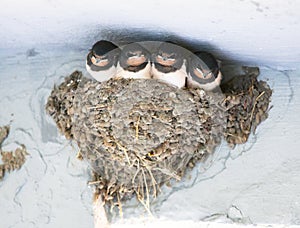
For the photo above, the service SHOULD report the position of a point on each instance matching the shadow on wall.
(122, 36)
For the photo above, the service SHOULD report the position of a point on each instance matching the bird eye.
(160, 54)
(130, 54)
(208, 75)
(102, 58)
(203, 74)
(99, 58)
(172, 56)
(199, 73)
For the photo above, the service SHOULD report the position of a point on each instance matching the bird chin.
(176, 78)
(136, 61)
(102, 76)
(208, 86)
(142, 74)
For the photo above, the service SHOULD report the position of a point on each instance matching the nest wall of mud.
(11, 160)
(138, 134)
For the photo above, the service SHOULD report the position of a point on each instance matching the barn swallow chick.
(203, 71)
(169, 64)
(101, 62)
(134, 62)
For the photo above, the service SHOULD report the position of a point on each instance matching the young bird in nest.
(101, 61)
(169, 64)
(203, 71)
(134, 62)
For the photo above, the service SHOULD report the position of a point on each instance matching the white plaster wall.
(265, 32)
(257, 182)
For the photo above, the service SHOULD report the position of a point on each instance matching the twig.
(120, 206)
(256, 99)
(100, 218)
(94, 182)
(141, 197)
(137, 128)
(133, 179)
(169, 173)
(99, 106)
(79, 155)
(153, 182)
(147, 190)
(125, 152)
(235, 136)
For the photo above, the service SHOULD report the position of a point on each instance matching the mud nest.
(11, 160)
(60, 103)
(138, 134)
(246, 103)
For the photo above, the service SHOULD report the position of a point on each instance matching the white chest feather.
(176, 78)
(102, 75)
(207, 86)
(144, 73)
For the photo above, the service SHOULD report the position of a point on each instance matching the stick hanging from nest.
(100, 217)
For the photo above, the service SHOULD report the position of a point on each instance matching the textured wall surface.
(42, 41)
(256, 31)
